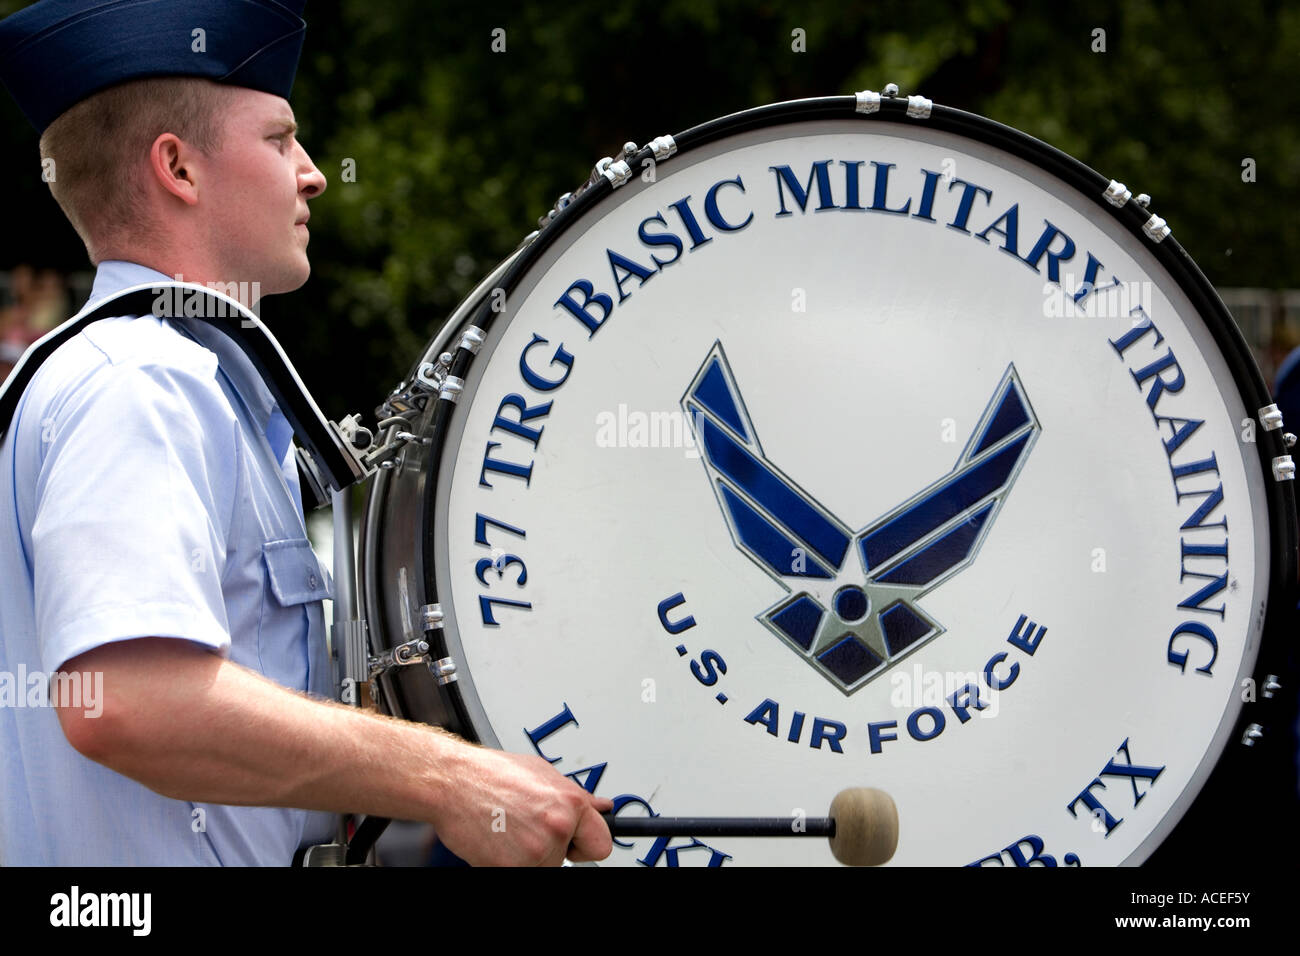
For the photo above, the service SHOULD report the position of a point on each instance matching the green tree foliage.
(457, 149)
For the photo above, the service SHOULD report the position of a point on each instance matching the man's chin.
(288, 281)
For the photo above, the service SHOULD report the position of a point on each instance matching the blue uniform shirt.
(147, 488)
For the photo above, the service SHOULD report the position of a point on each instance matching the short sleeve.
(134, 499)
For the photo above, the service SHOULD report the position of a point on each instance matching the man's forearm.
(193, 726)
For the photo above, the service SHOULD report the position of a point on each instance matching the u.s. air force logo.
(852, 610)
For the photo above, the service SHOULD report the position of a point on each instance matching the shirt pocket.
(295, 584)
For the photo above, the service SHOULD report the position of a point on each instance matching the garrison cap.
(55, 53)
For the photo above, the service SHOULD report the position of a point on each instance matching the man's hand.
(507, 809)
(192, 726)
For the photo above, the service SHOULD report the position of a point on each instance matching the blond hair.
(99, 148)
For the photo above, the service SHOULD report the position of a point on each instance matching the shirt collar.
(114, 275)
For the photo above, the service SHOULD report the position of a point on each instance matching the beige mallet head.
(866, 826)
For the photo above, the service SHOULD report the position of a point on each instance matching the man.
(151, 538)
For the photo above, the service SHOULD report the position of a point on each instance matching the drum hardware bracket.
(444, 670)
(326, 854)
(1117, 194)
(350, 640)
(544, 221)
(472, 339)
(1283, 468)
(431, 617)
(1156, 229)
(354, 438)
(1253, 733)
(1288, 439)
(403, 403)
(382, 457)
(1270, 416)
(414, 651)
(662, 147)
(451, 389)
(1271, 685)
(617, 171)
(868, 101)
(430, 375)
(355, 435)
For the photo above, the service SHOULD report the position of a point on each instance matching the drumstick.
(862, 826)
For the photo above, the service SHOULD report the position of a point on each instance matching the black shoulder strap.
(339, 467)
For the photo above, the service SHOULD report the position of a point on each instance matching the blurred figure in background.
(37, 303)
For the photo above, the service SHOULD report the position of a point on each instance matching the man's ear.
(172, 164)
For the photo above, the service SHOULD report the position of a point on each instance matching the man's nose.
(311, 181)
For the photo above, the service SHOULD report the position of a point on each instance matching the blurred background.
(458, 148)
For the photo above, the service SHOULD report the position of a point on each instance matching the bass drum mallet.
(862, 826)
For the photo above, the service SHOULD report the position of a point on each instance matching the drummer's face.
(258, 185)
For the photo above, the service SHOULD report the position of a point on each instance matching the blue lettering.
(1122, 344)
(1035, 844)
(1212, 500)
(796, 728)
(708, 675)
(536, 736)
(876, 733)
(926, 205)
(1184, 430)
(661, 849)
(589, 297)
(1089, 280)
(526, 414)
(830, 731)
(852, 173)
(1043, 248)
(689, 221)
(1094, 806)
(562, 356)
(767, 714)
(1022, 640)
(666, 605)
(820, 172)
(878, 200)
(480, 528)
(1159, 385)
(993, 680)
(629, 268)
(914, 723)
(970, 697)
(623, 800)
(1009, 234)
(1199, 630)
(502, 467)
(588, 778)
(659, 239)
(711, 211)
(967, 201)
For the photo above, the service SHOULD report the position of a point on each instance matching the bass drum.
(845, 442)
